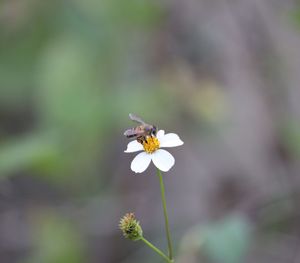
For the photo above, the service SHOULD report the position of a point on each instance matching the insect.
(141, 131)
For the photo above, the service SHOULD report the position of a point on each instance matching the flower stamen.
(150, 144)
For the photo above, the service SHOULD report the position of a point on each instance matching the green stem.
(158, 251)
(163, 198)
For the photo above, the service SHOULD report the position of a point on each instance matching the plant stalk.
(158, 251)
(163, 198)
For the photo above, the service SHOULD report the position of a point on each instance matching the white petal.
(160, 134)
(134, 146)
(170, 140)
(163, 160)
(140, 163)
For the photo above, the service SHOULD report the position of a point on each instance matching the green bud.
(131, 227)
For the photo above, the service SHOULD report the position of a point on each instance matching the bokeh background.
(224, 75)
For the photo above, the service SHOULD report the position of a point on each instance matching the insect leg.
(141, 139)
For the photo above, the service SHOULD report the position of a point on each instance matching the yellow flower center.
(151, 144)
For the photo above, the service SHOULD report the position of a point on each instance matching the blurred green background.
(224, 75)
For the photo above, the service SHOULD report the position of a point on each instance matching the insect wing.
(136, 118)
(133, 133)
(130, 133)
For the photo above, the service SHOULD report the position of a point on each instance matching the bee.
(141, 131)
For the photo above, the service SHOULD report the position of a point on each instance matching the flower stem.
(163, 198)
(158, 251)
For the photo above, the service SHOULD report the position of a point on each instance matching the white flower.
(162, 159)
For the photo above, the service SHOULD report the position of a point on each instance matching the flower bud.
(131, 227)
